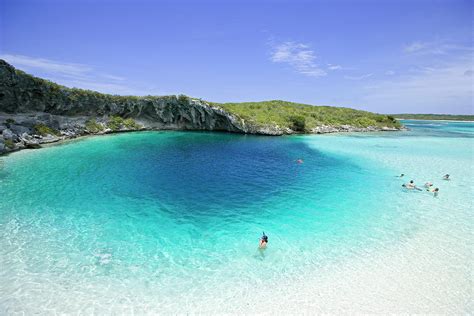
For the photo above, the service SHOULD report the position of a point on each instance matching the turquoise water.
(170, 221)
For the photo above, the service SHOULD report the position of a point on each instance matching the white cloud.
(390, 72)
(361, 77)
(434, 48)
(74, 75)
(441, 88)
(299, 56)
(47, 65)
(414, 47)
(112, 77)
(334, 67)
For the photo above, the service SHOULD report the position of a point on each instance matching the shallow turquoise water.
(160, 221)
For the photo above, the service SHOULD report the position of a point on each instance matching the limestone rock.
(8, 134)
(26, 102)
(19, 129)
(29, 141)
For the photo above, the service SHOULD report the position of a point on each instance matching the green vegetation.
(9, 143)
(296, 116)
(434, 117)
(44, 130)
(131, 124)
(116, 123)
(73, 95)
(183, 98)
(10, 121)
(93, 127)
(304, 117)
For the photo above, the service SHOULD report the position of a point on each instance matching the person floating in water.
(446, 177)
(435, 191)
(401, 176)
(263, 241)
(411, 185)
(428, 185)
(299, 160)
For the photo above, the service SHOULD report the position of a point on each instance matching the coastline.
(401, 119)
(34, 130)
(52, 140)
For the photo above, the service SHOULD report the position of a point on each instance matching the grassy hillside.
(295, 116)
(304, 117)
(435, 117)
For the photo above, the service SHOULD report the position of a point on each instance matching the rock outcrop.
(22, 93)
(34, 111)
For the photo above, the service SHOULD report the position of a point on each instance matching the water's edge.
(27, 140)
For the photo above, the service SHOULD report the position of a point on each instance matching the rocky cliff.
(34, 111)
(22, 93)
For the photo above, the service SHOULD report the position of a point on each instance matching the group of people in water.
(409, 186)
(428, 185)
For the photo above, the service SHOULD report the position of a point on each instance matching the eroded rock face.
(27, 102)
(21, 93)
(34, 111)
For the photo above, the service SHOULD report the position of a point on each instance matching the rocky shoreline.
(32, 130)
(34, 111)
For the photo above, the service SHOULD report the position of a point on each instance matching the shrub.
(10, 121)
(93, 127)
(364, 122)
(303, 117)
(115, 123)
(298, 123)
(9, 143)
(44, 130)
(131, 124)
(183, 99)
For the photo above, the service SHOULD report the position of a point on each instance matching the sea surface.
(169, 222)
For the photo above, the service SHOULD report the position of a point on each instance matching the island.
(434, 117)
(35, 111)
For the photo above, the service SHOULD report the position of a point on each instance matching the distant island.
(433, 117)
(34, 111)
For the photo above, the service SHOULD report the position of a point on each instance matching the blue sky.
(383, 56)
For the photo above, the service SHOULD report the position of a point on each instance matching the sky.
(383, 56)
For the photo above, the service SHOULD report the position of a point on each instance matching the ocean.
(169, 222)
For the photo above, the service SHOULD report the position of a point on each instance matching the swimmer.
(428, 185)
(435, 192)
(401, 176)
(263, 241)
(411, 185)
(299, 161)
(446, 177)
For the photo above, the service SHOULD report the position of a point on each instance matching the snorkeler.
(263, 241)
(446, 177)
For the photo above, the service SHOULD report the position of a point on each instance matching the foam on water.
(170, 221)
